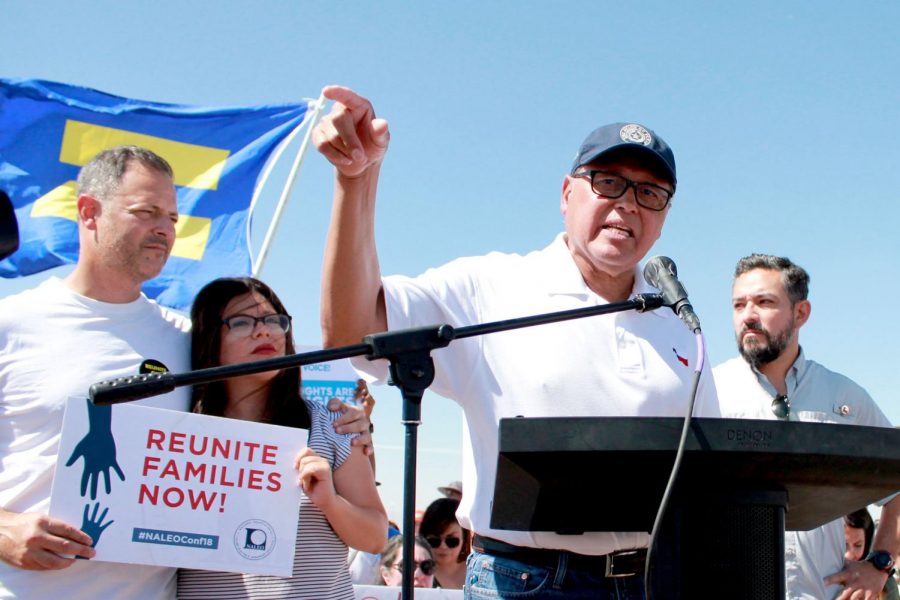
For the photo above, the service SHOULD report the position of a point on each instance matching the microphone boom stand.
(411, 369)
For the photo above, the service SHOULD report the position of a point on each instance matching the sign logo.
(254, 539)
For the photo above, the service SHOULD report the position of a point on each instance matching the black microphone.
(9, 227)
(661, 273)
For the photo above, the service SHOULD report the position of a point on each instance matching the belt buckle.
(611, 560)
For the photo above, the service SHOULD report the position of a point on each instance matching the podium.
(741, 484)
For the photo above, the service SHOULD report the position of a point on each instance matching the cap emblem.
(635, 134)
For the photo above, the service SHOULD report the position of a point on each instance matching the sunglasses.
(781, 406)
(435, 541)
(426, 566)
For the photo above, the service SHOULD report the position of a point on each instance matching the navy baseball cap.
(629, 137)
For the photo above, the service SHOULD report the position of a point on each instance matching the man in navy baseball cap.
(624, 138)
(614, 202)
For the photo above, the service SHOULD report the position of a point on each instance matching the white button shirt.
(816, 395)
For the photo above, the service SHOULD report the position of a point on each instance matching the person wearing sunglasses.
(238, 320)
(449, 541)
(391, 564)
(773, 379)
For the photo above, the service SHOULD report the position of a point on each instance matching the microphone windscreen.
(655, 266)
(9, 227)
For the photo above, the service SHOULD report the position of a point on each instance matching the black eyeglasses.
(435, 541)
(243, 325)
(426, 566)
(781, 406)
(610, 185)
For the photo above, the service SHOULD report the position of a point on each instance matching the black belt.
(617, 564)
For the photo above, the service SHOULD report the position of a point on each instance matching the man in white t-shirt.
(772, 379)
(614, 200)
(58, 339)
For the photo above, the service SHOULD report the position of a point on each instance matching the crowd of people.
(95, 324)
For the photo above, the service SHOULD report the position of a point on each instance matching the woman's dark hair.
(440, 515)
(861, 519)
(284, 405)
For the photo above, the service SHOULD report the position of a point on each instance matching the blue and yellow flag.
(49, 130)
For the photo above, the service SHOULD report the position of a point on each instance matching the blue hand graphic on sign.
(92, 525)
(98, 449)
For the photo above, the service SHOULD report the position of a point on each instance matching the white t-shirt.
(54, 344)
(816, 395)
(623, 364)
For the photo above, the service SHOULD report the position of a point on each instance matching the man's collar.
(564, 278)
(800, 365)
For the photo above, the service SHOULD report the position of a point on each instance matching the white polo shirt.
(820, 396)
(623, 364)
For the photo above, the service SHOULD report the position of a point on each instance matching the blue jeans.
(494, 577)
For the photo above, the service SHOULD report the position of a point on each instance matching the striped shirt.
(320, 556)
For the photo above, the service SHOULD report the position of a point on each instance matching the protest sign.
(375, 592)
(324, 381)
(179, 489)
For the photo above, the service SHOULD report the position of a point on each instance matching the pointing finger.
(351, 130)
(348, 98)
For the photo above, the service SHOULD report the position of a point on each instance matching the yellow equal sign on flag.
(194, 166)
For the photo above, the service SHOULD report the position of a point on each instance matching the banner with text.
(179, 489)
(323, 381)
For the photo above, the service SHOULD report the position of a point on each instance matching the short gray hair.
(794, 278)
(101, 176)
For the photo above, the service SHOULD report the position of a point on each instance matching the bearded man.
(772, 379)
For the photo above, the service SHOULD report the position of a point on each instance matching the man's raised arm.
(355, 142)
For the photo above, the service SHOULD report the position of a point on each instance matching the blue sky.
(783, 117)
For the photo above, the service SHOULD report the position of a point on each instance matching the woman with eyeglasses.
(448, 540)
(239, 320)
(391, 564)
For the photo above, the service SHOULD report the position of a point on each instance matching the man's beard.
(762, 353)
